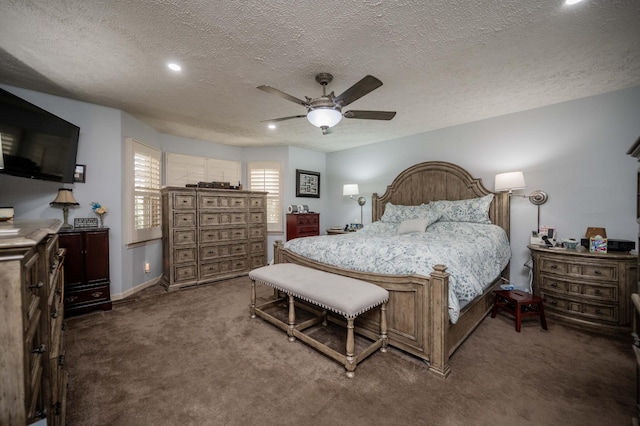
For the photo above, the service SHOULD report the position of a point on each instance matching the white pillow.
(414, 225)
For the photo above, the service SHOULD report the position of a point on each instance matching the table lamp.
(65, 199)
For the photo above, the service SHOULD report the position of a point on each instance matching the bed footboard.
(417, 311)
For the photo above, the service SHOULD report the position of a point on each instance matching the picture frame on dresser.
(307, 184)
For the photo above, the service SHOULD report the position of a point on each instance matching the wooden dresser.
(302, 225)
(591, 290)
(86, 272)
(211, 234)
(32, 375)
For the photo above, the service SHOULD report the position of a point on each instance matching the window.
(266, 177)
(186, 169)
(143, 209)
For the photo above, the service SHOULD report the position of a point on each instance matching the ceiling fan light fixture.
(324, 117)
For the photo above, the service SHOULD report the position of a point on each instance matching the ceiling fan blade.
(288, 97)
(282, 119)
(358, 90)
(370, 115)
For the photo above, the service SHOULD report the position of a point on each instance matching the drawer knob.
(39, 350)
(38, 285)
(554, 284)
(97, 294)
(554, 266)
(54, 314)
(596, 272)
(554, 302)
(61, 361)
(598, 311)
(598, 292)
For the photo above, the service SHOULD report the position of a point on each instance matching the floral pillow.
(397, 213)
(472, 210)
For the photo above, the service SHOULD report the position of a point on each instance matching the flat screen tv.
(35, 143)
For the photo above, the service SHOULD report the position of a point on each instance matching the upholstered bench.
(345, 296)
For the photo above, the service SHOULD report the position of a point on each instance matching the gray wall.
(575, 151)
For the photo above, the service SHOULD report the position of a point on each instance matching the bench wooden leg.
(383, 327)
(350, 362)
(253, 299)
(292, 319)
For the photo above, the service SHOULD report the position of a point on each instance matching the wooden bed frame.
(418, 318)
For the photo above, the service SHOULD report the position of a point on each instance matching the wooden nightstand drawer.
(601, 292)
(184, 236)
(581, 309)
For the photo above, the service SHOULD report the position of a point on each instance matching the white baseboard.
(136, 289)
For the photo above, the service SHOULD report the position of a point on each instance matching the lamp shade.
(65, 198)
(509, 181)
(350, 189)
(324, 117)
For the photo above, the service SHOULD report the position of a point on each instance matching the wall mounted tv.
(35, 143)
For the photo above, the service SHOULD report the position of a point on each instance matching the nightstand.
(590, 290)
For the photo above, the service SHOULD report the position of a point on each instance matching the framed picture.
(307, 184)
(79, 175)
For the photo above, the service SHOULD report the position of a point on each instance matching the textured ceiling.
(442, 62)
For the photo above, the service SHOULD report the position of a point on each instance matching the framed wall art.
(79, 175)
(307, 184)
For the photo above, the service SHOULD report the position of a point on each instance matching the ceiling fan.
(326, 111)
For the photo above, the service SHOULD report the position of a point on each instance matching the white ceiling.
(442, 62)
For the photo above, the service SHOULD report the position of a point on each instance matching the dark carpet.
(195, 357)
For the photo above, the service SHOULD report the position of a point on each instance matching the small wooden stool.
(520, 304)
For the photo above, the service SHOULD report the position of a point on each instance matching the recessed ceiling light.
(271, 126)
(571, 2)
(174, 67)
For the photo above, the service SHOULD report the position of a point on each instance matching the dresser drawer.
(256, 232)
(184, 236)
(211, 269)
(580, 308)
(183, 201)
(184, 219)
(258, 261)
(608, 293)
(186, 272)
(222, 218)
(256, 202)
(222, 250)
(86, 294)
(213, 235)
(308, 219)
(208, 201)
(256, 217)
(185, 255)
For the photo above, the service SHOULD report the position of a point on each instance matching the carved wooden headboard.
(438, 180)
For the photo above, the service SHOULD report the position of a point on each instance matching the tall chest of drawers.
(302, 225)
(32, 372)
(211, 234)
(592, 290)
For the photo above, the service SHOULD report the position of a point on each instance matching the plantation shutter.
(145, 199)
(266, 177)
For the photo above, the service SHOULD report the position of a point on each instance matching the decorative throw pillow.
(397, 213)
(413, 225)
(471, 210)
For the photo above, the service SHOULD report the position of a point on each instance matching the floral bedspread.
(473, 253)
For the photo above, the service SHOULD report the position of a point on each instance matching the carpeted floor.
(194, 357)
